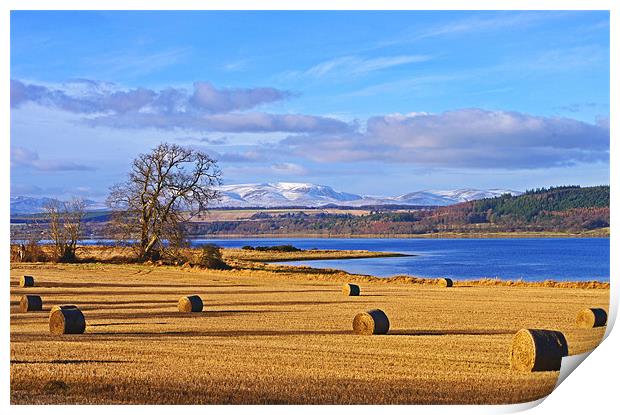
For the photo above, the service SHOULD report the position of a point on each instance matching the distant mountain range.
(296, 194)
(27, 205)
(313, 195)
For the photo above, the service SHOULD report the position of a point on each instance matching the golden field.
(275, 334)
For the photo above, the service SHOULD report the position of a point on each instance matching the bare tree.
(64, 227)
(164, 190)
(25, 242)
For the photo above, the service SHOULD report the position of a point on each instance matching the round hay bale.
(445, 282)
(190, 304)
(591, 317)
(536, 350)
(30, 303)
(371, 322)
(61, 307)
(67, 321)
(26, 281)
(351, 289)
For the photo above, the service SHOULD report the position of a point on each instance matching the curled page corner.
(569, 364)
(518, 407)
(611, 316)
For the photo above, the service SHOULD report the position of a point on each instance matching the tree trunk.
(147, 248)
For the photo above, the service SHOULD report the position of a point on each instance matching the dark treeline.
(531, 204)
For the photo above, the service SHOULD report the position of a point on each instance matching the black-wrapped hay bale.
(26, 281)
(445, 282)
(190, 304)
(67, 321)
(591, 317)
(61, 307)
(351, 289)
(537, 350)
(30, 303)
(371, 322)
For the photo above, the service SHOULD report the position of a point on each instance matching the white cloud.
(475, 24)
(136, 63)
(470, 138)
(23, 157)
(88, 96)
(206, 109)
(207, 97)
(354, 66)
(235, 65)
(289, 168)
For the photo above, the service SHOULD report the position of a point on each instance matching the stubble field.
(279, 337)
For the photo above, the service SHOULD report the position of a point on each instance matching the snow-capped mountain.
(282, 194)
(295, 194)
(450, 197)
(28, 205)
(310, 195)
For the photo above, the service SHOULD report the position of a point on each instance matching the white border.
(591, 389)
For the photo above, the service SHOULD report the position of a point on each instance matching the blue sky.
(370, 102)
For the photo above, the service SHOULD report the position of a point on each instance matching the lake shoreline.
(498, 235)
(317, 255)
(339, 275)
(508, 262)
(600, 234)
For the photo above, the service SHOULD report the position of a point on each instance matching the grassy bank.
(115, 254)
(304, 255)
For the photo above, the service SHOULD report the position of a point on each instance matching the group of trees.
(164, 189)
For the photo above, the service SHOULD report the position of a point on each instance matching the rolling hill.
(285, 194)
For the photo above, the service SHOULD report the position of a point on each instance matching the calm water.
(531, 259)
